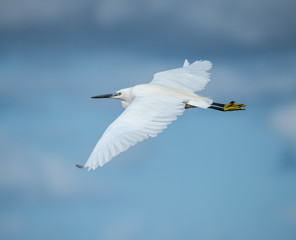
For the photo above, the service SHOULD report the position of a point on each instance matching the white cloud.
(129, 227)
(28, 173)
(12, 226)
(252, 79)
(288, 215)
(248, 23)
(284, 121)
(19, 13)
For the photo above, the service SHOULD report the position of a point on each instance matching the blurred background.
(209, 176)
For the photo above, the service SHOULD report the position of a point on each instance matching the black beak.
(104, 96)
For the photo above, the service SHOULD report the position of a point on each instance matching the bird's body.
(150, 90)
(151, 107)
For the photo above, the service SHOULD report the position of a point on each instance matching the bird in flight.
(150, 108)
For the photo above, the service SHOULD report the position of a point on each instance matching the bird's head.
(123, 94)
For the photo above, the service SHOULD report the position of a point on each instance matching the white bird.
(150, 108)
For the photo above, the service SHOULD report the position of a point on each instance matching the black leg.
(218, 104)
(217, 108)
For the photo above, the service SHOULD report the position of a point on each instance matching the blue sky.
(210, 175)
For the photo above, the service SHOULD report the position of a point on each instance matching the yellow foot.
(232, 106)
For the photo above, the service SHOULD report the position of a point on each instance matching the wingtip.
(186, 63)
(79, 166)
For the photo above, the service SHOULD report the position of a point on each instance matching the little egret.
(150, 108)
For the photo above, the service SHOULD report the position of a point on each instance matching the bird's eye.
(119, 93)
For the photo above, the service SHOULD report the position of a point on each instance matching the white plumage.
(150, 108)
(191, 78)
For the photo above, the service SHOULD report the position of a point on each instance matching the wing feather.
(191, 77)
(145, 117)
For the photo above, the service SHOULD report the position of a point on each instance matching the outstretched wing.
(191, 77)
(145, 117)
